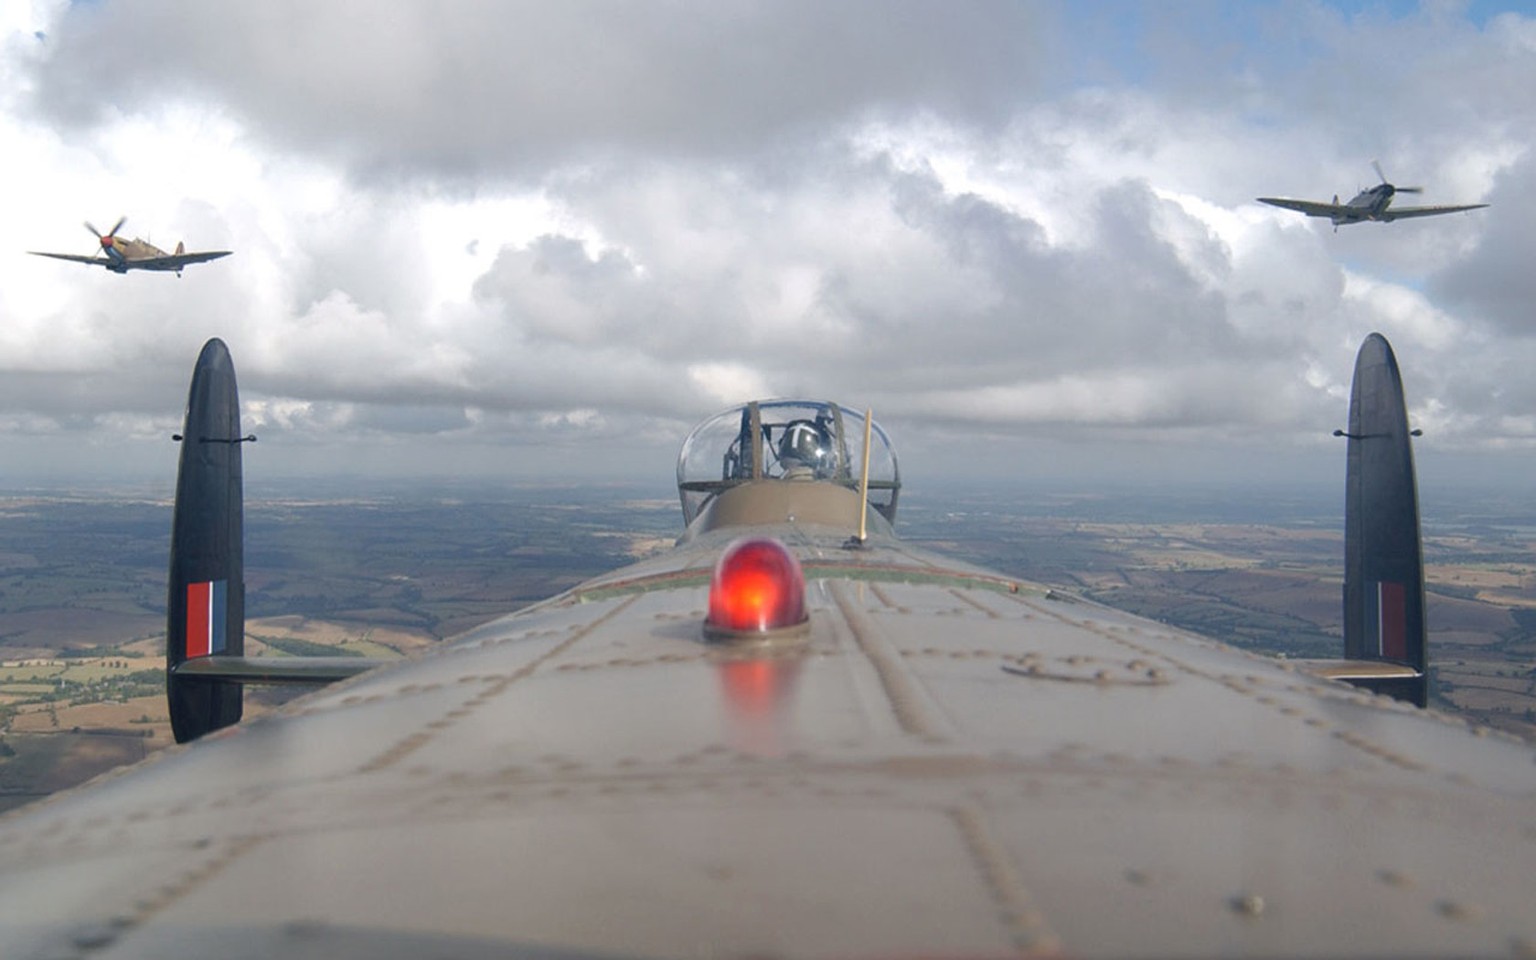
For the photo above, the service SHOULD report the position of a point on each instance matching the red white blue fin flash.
(207, 610)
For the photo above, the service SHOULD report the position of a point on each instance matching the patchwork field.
(1273, 583)
(82, 599)
(82, 589)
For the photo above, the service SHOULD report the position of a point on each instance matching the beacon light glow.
(757, 591)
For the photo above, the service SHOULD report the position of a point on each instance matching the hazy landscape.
(380, 570)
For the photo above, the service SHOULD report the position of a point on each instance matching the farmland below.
(391, 571)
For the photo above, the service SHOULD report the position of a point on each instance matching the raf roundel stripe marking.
(207, 603)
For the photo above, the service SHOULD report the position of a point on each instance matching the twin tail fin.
(206, 666)
(1385, 646)
(205, 606)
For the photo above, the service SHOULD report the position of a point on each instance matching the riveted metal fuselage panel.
(947, 763)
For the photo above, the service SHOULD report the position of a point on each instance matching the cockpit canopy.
(791, 440)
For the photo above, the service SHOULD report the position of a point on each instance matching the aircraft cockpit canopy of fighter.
(779, 441)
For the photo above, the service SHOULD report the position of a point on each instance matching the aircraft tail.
(181, 247)
(205, 663)
(1383, 555)
(206, 603)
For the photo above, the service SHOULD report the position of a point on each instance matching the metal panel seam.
(899, 689)
(420, 739)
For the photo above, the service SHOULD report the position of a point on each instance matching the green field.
(82, 586)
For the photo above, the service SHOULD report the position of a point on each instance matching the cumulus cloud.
(502, 227)
(486, 87)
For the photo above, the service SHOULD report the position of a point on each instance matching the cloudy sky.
(491, 237)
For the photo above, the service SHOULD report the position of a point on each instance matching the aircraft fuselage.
(1370, 204)
(127, 254)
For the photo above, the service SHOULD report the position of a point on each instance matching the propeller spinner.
(106, 239)
(1392, 188)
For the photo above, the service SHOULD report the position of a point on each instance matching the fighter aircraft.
(795, 735)
(120, 256)
(1373, 203)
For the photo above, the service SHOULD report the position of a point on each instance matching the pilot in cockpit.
(806, 451)
(773, 441)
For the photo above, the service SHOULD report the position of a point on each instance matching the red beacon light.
(757, 592)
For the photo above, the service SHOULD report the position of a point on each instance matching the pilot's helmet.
(806, 446)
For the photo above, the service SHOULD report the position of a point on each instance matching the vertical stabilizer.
(1383, 559)
(206, 602)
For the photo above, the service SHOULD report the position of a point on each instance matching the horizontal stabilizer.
(242, 670)
(1396, 680)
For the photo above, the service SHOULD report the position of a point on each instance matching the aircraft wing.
(1403, 213)
(76, 257)
(175, 261)
(1312, 208)
(949, 763)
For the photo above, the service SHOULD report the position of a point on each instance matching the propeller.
(1391, 188)
(107, 238)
